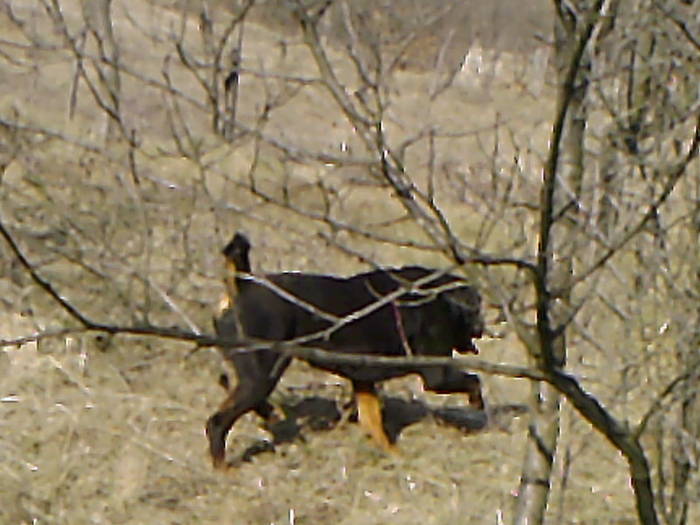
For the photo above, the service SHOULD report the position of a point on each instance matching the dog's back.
(432, 324)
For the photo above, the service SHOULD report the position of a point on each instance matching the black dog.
(429, 320)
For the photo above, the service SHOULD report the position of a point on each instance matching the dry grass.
(116, 436)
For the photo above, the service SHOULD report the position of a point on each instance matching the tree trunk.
(563, 178)
(687, 435)
(98, 18)
(543, 433)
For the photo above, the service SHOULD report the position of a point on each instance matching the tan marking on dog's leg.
(369, 414)
(230, 281)
(222, 305)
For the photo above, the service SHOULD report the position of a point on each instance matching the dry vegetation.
(110, 429)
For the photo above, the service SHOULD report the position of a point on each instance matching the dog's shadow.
(316, 414)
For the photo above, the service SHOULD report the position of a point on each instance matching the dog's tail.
(236, 259)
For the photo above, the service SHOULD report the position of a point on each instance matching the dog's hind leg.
(258, 373)
(219, 424)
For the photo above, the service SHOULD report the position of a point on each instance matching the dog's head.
(465, 319)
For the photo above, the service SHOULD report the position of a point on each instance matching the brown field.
(111, 430)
